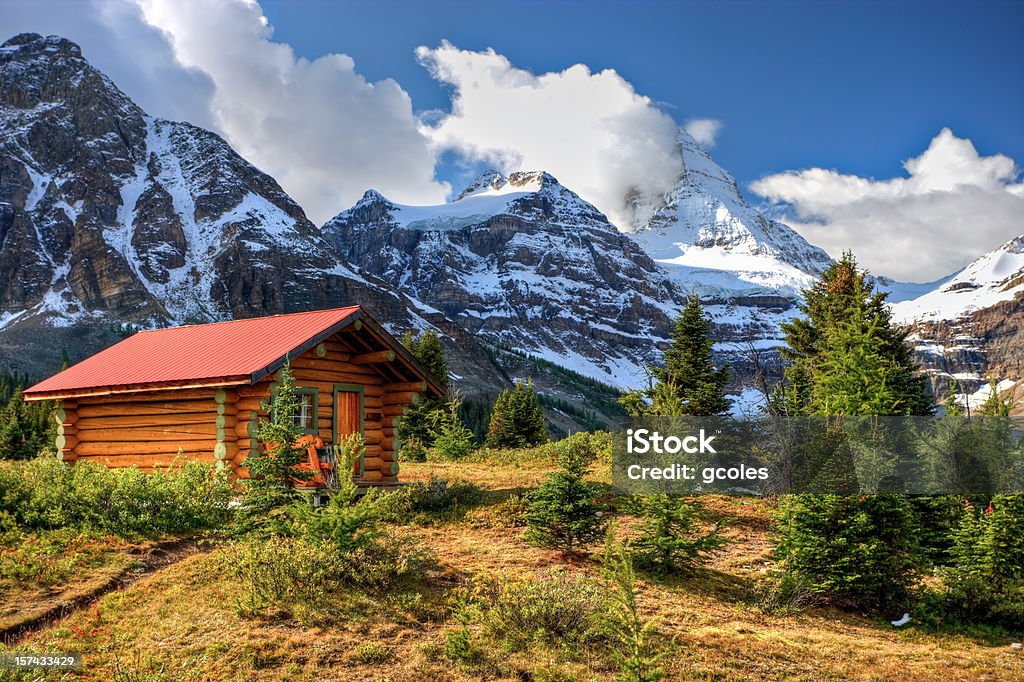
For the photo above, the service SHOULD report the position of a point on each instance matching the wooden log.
(67, 456)
(183, 431)
(224, 451)
(226, 421)
(394, 410)
(128, 421)
(65, 415)
(401, 398)
(145, 448)
(420, 386)
(251, 405)
(328, 365)
(330, 378)
(374, 464)
(257, 390)
(377, 357)
(146, 409)
(159, 395)
(225, 396)
(151, 461)
(246, 428)
(371, 476)
(227, 409)
(372, 402)
(372, 437)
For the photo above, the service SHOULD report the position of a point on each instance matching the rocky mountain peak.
(489, 180)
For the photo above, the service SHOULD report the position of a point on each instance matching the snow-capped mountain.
(713, 242)
(110, 216)
(970, 326)
(525, 263)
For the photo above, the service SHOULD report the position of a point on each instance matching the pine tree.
(844, 354)
(517, 419)
(564, 513)
(846, 359)
(272, 473)
(689, 384)
(422, 422)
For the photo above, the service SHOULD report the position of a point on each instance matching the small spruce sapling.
(564, 513)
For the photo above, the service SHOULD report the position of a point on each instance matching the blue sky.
(861, 123)
(857, 86)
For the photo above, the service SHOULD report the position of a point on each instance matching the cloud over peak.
(591, 130)
(931, 222)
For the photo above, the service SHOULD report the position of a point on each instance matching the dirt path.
(148, 560)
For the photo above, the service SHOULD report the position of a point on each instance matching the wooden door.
(348, 418)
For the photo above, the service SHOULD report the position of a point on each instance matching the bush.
(45, 493)
(987, 581)
(668, 540)
(564, 513)
(386, 561)
(420, 502)
(284, 575)
(556, 609)
(857, 550)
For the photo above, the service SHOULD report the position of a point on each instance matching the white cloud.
(590, 130)
(953, 206)
(704, 130)
(323, 131)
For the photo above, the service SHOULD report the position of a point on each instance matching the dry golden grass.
(182, 623)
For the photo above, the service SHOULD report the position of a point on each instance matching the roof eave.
(99, 391)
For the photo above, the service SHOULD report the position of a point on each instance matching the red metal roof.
(235, 350)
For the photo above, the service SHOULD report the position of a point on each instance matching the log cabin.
(199, 391)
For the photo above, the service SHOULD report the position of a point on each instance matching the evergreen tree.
(689, 383)
(517, 419)
(846, 359)
(564, 513)
(272, 473)
(423, 422)
(844, 354)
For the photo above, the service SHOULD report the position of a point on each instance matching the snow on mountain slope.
(714, 243)
(969, 328)
(525, 263)
(996, 277)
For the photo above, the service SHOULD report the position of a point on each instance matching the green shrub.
(389, 559)
(45, 493)
(600, 442)
(412, 450)
(668, 539)
(564, 513)
(51, 557)
(272, 474)
(555, 609)
(509, 513)
(369, 653)
(420, 502)
(282, 575)
(855, 550)
(987, 581)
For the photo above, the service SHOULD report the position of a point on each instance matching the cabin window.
(305, 417)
